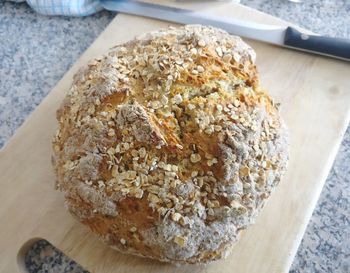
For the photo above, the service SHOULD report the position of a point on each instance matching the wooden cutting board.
(315, 96)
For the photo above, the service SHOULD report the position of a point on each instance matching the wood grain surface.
(315, 96)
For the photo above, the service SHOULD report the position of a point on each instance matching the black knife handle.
(335, 47)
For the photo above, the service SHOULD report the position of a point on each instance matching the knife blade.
(278, 35)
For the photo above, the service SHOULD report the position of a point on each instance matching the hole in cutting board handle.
(38, 254)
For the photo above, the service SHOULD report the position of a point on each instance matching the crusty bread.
(167, 147)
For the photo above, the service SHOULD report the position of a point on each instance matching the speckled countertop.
(36, 51)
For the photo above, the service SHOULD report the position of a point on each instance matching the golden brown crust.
(167, 147)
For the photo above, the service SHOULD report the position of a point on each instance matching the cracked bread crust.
(167, 146)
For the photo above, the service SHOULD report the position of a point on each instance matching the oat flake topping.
(167, 146)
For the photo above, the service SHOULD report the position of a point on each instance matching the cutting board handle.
(21, 254)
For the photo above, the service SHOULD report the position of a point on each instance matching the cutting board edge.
(311, 209)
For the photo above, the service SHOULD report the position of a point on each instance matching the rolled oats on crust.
(167, 146)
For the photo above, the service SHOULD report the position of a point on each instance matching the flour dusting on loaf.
(168, 147)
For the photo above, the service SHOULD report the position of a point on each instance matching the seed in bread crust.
(195, 158)
(133, 229)
(176, 216)
(201, 43)
(180, 240)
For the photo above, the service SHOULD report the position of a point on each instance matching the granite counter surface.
(36, 51)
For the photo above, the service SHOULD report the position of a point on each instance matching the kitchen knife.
(278, 35)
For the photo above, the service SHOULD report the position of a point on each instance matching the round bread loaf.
(167, 147)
